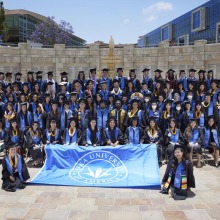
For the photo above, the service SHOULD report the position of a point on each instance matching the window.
(183, 40)
(166, 32)
(198, 20)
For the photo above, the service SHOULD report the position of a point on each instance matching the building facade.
(200, 23)
(21, 24)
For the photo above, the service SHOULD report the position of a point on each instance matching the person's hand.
(48, 142)
(12, 178)
(196, 145)
(109, 142)
(86, 145)
(54, 142)
(94, 145)
(191, 144)
(213, 144)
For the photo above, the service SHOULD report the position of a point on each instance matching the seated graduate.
(112, 134)
(92, 134)
(72, 135)
(15, 135)
(34, 143)
(211, 138)
(52, 135)
(196, 139)
(153, 135)
(2, 137)
(178, 176)
(14, 170)
(173, 136)
(133, 134)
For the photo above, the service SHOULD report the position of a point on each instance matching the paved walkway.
(61, 202)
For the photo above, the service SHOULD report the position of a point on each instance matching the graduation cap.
(208, 94)
(73, 119)
(180, 83)
(152, 118)
(30, 73)
(81, 71)
(124, 94)
(11, 145)
(8, 85)
(110, 95)
(135, 100)
(186, 102)
(132, 70)
(211, 117)
(158, 71)
(198, 103)
(103, 101)
(83, 100)
(35, 122)
(145, 69)
(182, 71)
(115, 80)
(50, 83)
(1, 73)
(168, 101)
(202, 83)
(176, 92)
(38, 73)
(64, 74)
(210, 71)
(192, 82)
(161, 81)
(201, 71)
(214, 81)
(147, 95)
(25, 84)
(8, 74)
(193, 119)
(153, 100)
(76, 81)
(24, 103)
(119, 68)
(46, 94)
(144, 83)
(117, 100)
(88, 97)
(177, 103)
(103, 82)
(66, 103)
(192, 70)
(18, 74)
(105, 69)
(112, 118)
(53, 119)
(89, 81)
(179, 147)
(62, 83)
(92, 118)
(73, 94)
(54, 102)
(170, 70)
(50, 73)
(14, 120)
(135, 118)
(92, 70)
(130, 81)
(161, 94)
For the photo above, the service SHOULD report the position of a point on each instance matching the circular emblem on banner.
(98, 167)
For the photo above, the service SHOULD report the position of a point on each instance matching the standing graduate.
(34, 143)
(72, 135)
(147, 79)
(14, 170)
(112, 134)
(178, 177)
(121, 79)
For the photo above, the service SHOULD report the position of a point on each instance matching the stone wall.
(24, 58)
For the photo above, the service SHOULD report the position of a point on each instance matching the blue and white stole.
(104, 94)
(174, 137)
(207, 137)
(134, 136)
(101, 121)
(72, 138)
(88, 136)
(47, 108)
(62, 121)
(39, 117)
(49, 136)
(115, 133)
(22, 120)
(194, 135)
(19, 166)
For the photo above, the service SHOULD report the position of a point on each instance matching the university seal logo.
(99, 167)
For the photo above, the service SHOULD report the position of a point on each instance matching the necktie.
(133, 136)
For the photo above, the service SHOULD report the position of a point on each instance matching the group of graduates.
(181, 109)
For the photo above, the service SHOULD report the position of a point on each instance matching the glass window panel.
(196, 20)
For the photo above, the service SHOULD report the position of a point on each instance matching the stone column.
(128, 58)
(199, 54)
(163, 56)
(60, 60)
(25, 59)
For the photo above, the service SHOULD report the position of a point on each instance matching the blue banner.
(124, 166)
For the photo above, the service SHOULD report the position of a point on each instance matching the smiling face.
(178, 154)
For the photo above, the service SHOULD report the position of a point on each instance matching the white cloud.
(151, 12)
(126, 21)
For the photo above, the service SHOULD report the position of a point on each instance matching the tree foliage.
(50, 33)
(3, 25)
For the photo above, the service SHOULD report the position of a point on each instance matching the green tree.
(3, 25)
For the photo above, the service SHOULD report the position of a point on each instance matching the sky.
(124, 20)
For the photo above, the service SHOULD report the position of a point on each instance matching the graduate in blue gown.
(178, 177)
(14, 170)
